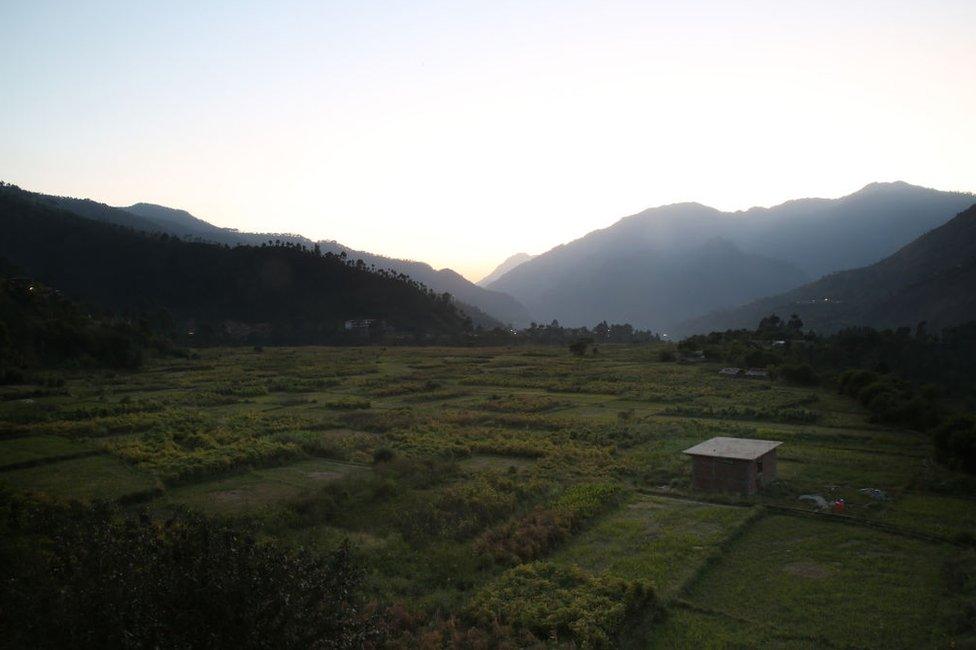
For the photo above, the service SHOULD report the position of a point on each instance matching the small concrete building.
(733, 464)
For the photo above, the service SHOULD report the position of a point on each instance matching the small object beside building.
(875, 493)
(739, 465)
(815, 500)
(361, 324)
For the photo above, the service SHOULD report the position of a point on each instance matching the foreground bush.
(955, 443)
(564, 603)
(90, 577)
(404, 628)
(534, 534)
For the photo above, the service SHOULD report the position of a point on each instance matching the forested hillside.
(485, 307)
(281, 293)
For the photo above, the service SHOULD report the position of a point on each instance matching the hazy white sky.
(459, 133)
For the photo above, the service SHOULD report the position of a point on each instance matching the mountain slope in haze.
(640, 272)
(181, 221)
(806, 237)
(932, 279)
(490, 308)
(295, 295)
(504, 268)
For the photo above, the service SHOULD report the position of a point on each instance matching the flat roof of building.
(738, 448)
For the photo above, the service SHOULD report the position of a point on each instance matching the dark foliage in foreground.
(91, 577)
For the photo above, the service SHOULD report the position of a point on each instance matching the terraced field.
(528, 489)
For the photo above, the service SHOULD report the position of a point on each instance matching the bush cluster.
(955, 443)
(458, 511)
(534, 534)
(890, 400)
(94, 577)
(562, 603)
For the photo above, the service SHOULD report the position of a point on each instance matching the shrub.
(405, 629)
(458, 511)
(562, 602)
(533, 535)
(579, 347)
(890, 400)
(851, 382)
(955, 443)
(800, 373)
(523, 404)
(102, 579)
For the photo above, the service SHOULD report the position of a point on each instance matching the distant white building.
(361, 324)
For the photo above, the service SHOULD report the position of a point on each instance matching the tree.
(770, 323)
(601, 330)
(795, 324)
(579, 347)
(955, 443)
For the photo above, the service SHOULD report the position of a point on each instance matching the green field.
(529, 489)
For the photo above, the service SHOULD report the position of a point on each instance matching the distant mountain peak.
(141, 205)
(510, 263)
(880, 186)
(676, 210)
(671, 263)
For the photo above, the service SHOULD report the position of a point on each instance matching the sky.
(459, 133)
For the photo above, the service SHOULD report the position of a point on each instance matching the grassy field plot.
(38, 449)
(655, 539)
(81, 479)
(685, 628)
(260, 488)
(481, 462)
(853, 586)
(947, 516)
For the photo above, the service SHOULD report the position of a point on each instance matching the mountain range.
(274, 293)
(685, 268)
(485, 307)
(932, 279)
(665, 266)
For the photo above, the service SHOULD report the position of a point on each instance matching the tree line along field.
(527, 491)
